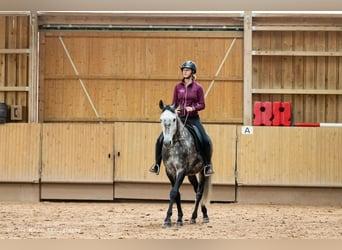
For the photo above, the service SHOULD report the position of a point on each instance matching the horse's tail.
(206, 191)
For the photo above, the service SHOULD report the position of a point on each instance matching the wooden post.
(33, 85)
(247, 96)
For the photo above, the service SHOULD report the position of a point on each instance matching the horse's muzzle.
(167, 143)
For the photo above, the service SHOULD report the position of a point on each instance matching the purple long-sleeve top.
(192, 96)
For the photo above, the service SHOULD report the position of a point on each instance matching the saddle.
(196, 135)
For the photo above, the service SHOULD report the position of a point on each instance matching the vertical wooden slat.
(275, 65)
(247, 78)
(257, 79)
(298, 76)
(41, 88)
(320, 76)
(11, 65)
(309, 77)
(33, 69)
(331, 111)
(2, 56)
(286, 66)
(23, 63)
(266, 63)
(339, 73)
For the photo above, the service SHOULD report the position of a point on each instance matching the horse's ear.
(175, 105)
(161, 104)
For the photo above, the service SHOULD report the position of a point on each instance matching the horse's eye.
(174, 119)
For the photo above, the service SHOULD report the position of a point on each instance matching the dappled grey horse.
(182, 158)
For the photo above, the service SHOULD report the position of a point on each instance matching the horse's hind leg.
(205, 214)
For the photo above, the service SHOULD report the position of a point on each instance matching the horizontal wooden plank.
(295, 53)
(140, 18)
(14, 89)
(26, 192)
(298, 91)
(296, 15)
(77, 191)
(137, 190)
(295, 28)
(147, 33)
(134, 77)
(15, 51)
(15, 13)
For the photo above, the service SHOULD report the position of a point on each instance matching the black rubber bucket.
(3, 112)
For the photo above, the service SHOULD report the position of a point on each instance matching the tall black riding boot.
(206, 153)
(158, 155)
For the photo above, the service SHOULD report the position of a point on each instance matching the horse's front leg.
(199, 194)
(175, 196)
(167, 221)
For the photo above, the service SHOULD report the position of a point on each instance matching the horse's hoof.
(179, 223)
(193, 221)
(206, 220)
(166, 224)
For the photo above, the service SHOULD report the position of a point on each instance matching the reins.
(186, 119)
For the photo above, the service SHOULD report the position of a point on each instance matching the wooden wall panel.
(77, 153)
(134, 152)
(300, 72)
(14, 69)
(19, 152)
(135, 149)
(224, 144)
(127, 73)
(288, 156)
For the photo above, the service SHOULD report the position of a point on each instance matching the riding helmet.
(190, 65)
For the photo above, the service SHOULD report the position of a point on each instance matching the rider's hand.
(189, 109)
(178, 110)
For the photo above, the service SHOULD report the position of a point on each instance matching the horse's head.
(168, 120)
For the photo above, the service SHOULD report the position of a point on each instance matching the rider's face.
(187, 73)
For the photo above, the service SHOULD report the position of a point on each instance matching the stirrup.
(208, 170)
(155, 169)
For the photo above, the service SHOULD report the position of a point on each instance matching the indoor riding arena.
(79, 94)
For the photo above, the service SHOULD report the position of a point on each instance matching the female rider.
(189, 96)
